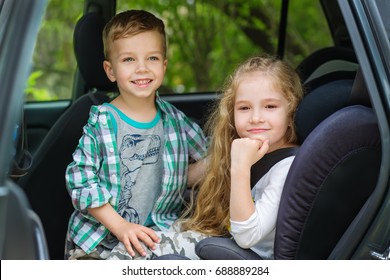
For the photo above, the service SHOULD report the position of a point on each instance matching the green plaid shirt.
(93, 178)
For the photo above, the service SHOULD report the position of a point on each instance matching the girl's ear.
(109, 70)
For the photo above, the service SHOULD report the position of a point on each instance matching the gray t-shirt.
(140, 148)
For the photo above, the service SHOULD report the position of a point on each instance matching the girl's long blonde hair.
(210, 213)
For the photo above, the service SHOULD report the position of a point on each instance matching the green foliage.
(53, 61)
(206, 40)
(32, 92)
(204, 44)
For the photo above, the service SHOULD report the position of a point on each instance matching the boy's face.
(137, 64)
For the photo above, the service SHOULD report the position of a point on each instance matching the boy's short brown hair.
(130, 23)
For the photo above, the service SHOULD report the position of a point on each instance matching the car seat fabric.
(325, 61)
(331, 177)
(88, 49)
(223, 248)
(45, 182)
(320, 103)
(168, 257)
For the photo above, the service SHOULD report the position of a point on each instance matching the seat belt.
(22, 160)
(261, 167)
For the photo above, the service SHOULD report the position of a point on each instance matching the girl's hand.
(245, 152)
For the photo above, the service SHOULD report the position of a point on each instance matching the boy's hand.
(131, 235)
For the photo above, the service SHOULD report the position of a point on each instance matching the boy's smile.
(142, 82)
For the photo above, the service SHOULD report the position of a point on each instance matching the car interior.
(330, 167)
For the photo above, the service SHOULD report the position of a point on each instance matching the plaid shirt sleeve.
(196, 140)
(86, 184)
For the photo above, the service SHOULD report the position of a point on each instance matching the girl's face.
(137, 64)
(261, 111)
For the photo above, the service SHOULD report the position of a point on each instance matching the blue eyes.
(130, 59)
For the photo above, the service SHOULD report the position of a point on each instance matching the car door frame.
(17, 43)
(369, 235)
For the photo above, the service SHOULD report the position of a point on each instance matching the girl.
(255, 116)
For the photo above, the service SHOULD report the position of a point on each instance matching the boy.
(131, 165)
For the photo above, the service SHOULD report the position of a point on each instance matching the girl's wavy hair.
(209, 214)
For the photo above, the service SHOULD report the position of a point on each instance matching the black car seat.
(45, 182)
(327, 60)
(329, 73)
(331, 178)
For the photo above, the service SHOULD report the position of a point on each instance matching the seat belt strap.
(260, 168)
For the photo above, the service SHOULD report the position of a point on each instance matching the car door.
(369, 23)
(21, 235)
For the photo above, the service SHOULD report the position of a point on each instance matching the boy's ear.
(109, 71)
(165, 65)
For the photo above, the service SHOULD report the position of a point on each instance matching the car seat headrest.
(326, 60)
(88, 49)
(322, 101)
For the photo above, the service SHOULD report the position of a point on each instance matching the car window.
(54, 63)
(207, 39)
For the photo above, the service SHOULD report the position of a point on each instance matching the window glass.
(307, 30)
(207, 39)
(54, 63)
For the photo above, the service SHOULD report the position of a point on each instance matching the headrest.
(330, 179)
(321, 102)
(326, 60)
(88, 48)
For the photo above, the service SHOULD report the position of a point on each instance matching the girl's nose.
(256, 117)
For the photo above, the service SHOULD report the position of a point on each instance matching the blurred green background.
(206, 40)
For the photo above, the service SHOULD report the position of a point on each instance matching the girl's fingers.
(264, 148)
